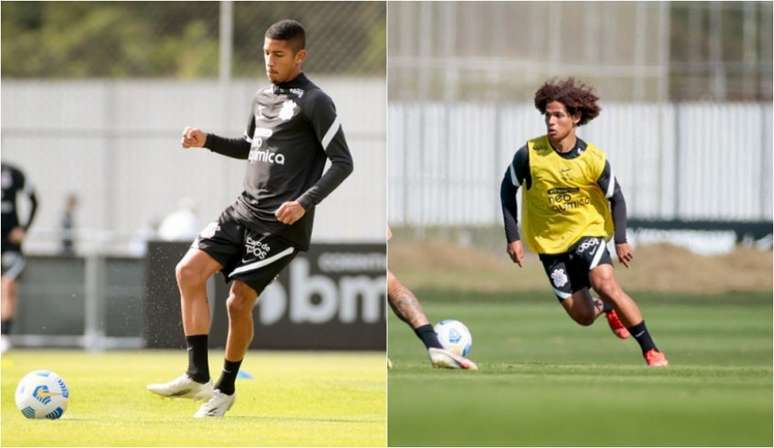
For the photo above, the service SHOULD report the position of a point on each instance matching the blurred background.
(685, 87)
(94, 98)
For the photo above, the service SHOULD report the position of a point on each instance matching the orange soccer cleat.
(655, 358)
(616, 325)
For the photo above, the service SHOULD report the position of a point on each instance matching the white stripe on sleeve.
(611, 185)
(326, 140)
(514, 179)
(29, 189)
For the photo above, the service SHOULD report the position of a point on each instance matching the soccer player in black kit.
(14, 182)
(293, 128)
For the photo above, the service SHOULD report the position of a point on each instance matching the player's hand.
(17, 235)
(624, 252)
(516, 251)
(193, 138)
(289, 212)
(389, 233)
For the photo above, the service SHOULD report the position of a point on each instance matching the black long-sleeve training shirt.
(293, 128)
(13, 183)
(520, 167)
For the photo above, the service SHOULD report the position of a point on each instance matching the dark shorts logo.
(255, 248)
(588, 244)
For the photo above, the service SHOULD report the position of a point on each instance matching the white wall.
(673, 161)
(116, 144)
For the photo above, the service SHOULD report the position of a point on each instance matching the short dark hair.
(578, 98)
(288, 30)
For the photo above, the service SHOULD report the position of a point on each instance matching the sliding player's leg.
(406, 306)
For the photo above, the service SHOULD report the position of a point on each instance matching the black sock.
(5, 326)
(641, 334)
(198, 368)
(602, 305)
(428, 336)
(227, 377)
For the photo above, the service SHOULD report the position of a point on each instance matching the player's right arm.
(516, 175)
(238, 148)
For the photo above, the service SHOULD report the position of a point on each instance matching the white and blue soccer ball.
(42, 394)
(454, 336)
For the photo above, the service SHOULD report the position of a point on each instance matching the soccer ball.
(42, 394)
(454, 336)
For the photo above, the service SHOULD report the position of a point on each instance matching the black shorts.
(251, 257)
(569, 271)
(12, 260)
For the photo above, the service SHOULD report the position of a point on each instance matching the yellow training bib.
(564, 202)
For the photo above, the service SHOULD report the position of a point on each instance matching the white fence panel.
(673, 161)
(116, 145)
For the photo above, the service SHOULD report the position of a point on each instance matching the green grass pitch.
(295, 399)
(544, 380)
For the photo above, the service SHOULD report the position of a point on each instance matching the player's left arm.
(321, 113)
(612, 189)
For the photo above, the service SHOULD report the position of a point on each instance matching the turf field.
(544, 380)
(295, 399)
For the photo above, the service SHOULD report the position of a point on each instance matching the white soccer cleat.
(445, 359)
(216, 406)
(183, 387)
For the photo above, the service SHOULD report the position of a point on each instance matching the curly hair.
(577, 98)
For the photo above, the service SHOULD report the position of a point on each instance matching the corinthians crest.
(288, 107)
(559, 277)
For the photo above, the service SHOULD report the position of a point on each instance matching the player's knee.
(8, 282)
(605, 285)
(187, 275)
(607, 289)
(238, 305)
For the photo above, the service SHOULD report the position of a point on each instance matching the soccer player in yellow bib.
(572, 205)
